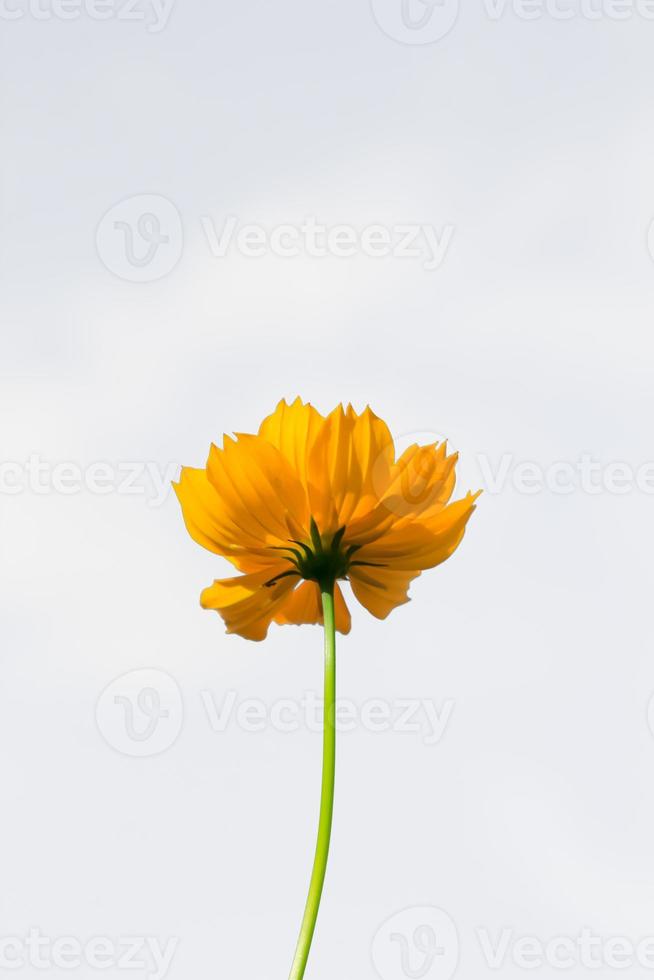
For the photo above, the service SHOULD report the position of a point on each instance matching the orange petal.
(344, 461)
(259, 491)
(329, 477)
(207, 520)
(421, 545)
(304, 606)
(292, 429)
(246, 603)
(375, 454)
(423, 482)
(419, 486)
(341, 612)
(301, 606)
(349, 467)
(380, 590)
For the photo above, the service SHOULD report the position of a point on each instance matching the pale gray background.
(534, 139)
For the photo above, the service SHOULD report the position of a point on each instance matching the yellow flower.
(310, 500)
(306, 502)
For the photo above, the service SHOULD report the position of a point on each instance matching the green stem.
(327, 793)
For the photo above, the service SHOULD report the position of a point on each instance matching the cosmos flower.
(297, 508)
(309, 501)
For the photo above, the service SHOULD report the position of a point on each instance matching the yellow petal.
(423, 482)
(341, 612)
(418, 486)
(207, 521)
(380, 590)
(246, 603)
(349, 467)
(375, 454)
(292, 429)
(304, 605)
(258, 489)
(421, 545)
(301, 606)
(328, 470)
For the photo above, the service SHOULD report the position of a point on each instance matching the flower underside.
(311, 500)
(319, 562)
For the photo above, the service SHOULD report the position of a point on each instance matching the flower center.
(319, 562)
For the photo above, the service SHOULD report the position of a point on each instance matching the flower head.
(311, 500)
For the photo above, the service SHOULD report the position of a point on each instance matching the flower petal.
(246, 603)
(341, 612)
(329, 477)
(419, 485)
(301, 606)
(344, 461)
(259, 491)
(292, 429)
(423, 482)
(207, 521)
(304, 605)
(421, 544)
(380, 590)
(349, 467)
(375, 454)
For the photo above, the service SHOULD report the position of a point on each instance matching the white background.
(532, 341)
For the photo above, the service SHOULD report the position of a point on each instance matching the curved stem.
(327, 793)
